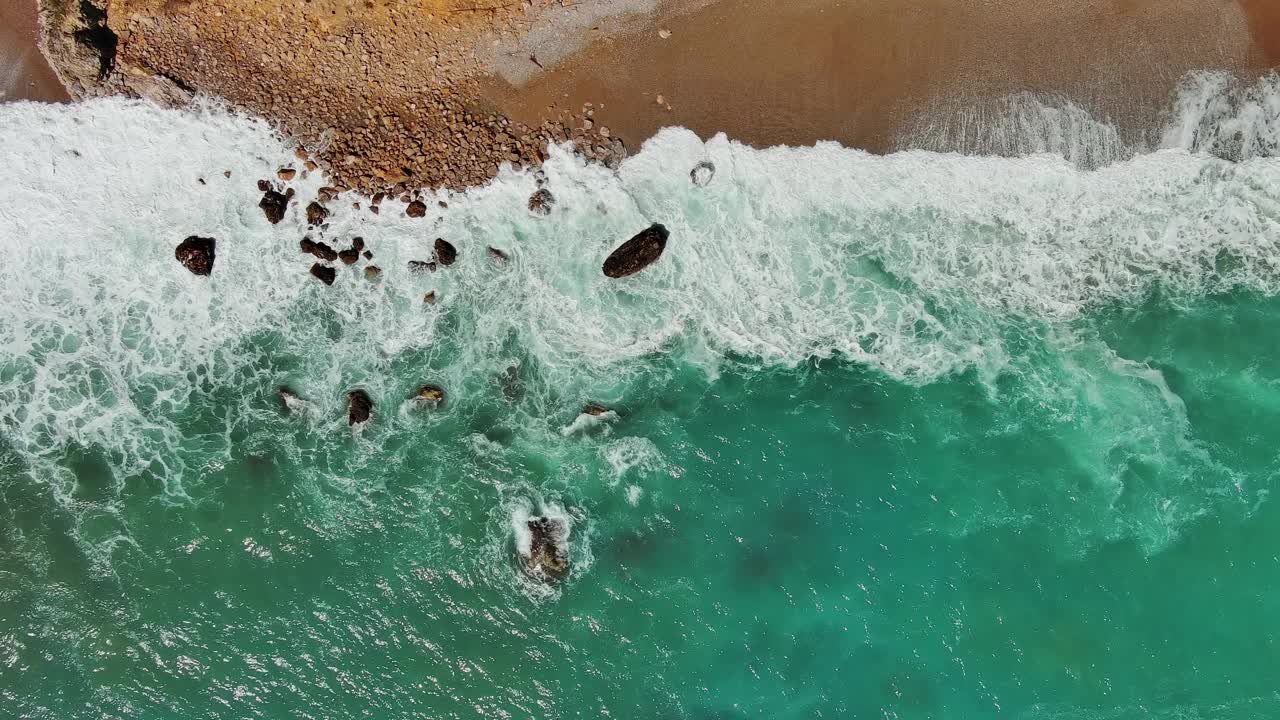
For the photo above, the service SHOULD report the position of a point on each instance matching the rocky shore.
(383, 95)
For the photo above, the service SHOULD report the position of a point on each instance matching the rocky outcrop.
(273, 204)
(323, 273)
(430, 395)
(541, 201)
(196, 254)
(319, 249)
(637, 253)
(359, 407)
(316, 213)
(446, 253)
(548, 548)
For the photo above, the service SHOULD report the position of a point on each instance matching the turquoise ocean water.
(918, 436)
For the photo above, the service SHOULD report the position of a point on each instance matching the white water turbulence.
(911, 264)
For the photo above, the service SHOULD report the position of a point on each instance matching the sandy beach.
(487, 83)
(863, 71)
(24, 73)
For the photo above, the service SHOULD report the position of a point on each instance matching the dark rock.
(431, 395)
(324, 273)
(263, 185)
(273, 204)
(196, 254)
(702, 173)
(372, 272)
(316, 213)
(421, 267)
(548, 548)
(319, 249)
(359, 407)
(594, 410)
(415, 209)
(637, 253)
(349, 256)
(357, 243)
(541, 201)
(368, 255)
(429, 298)
(446, 253)
(499, 255)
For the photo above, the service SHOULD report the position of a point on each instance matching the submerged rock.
(548, 548)
(372, 272)
(323, 273)
(416, 209)
(499, 255)
(702, 173)
(637, 253)
(594, 409)
(196, 254)
(316, 213)
(446, 253)
(541, 201)
(431, 395)
(421, 267)
(292, 402)
(273, 204)
(359, 407)
(429, 298)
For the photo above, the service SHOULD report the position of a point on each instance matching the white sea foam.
(909, 263)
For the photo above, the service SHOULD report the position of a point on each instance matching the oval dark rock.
(349, 256)
(541, 201)
(446, 253)
(323, 273)
(273, 205)
(196, 254)
(637, 253)
(359, 407)
(416, 209)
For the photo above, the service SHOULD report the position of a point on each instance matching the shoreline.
(26, 72)
(487, 85)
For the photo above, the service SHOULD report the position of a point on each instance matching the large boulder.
(196, 254)
(548, 548)
(316, 213)
(637, 253)
(359, 407)
(273, 205)
(319, 249)
(323, 273)
(446, 253)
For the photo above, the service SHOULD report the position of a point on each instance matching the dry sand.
(862, 71)
(24, 73)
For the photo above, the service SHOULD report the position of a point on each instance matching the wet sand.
(24, 73)
(863, 71)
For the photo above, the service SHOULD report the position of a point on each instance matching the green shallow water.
(1089, 537)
